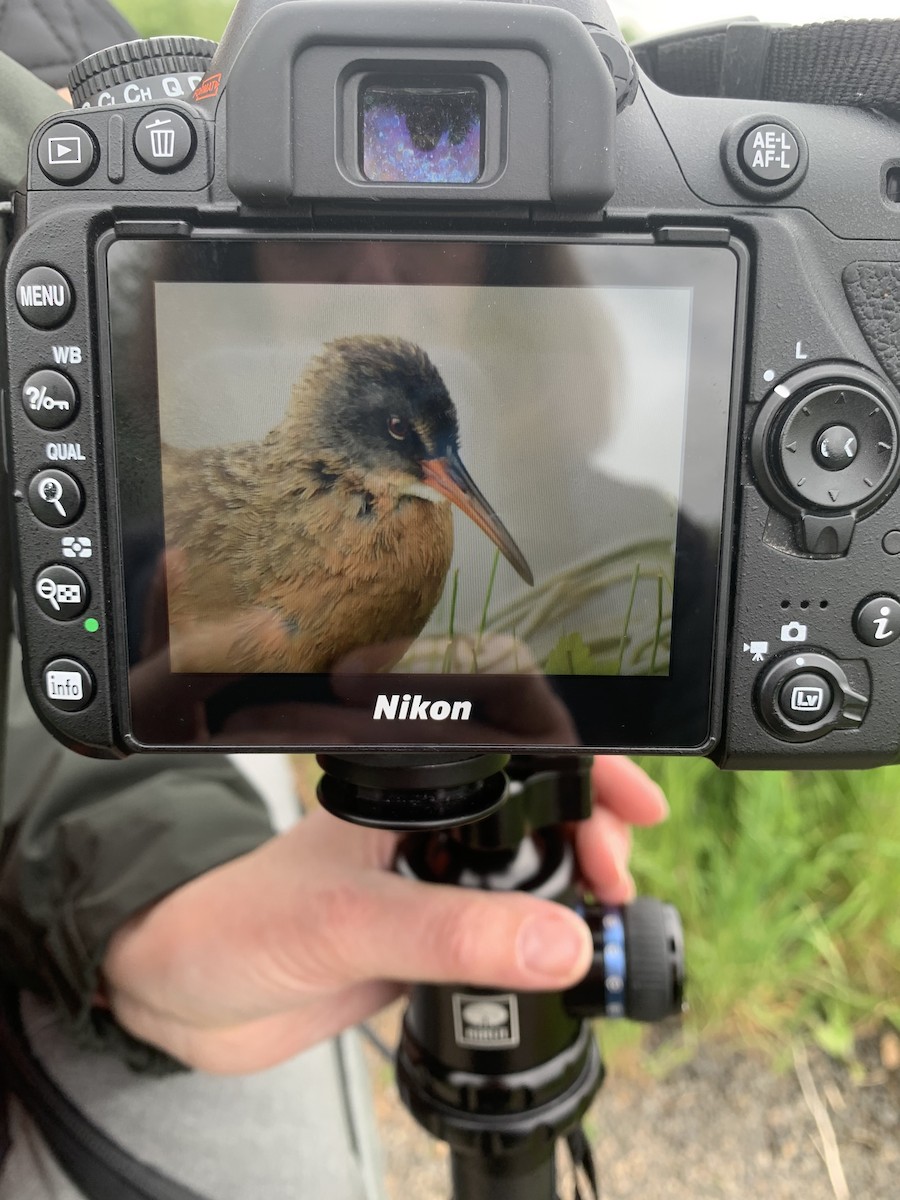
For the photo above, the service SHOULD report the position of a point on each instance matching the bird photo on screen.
(331, 534)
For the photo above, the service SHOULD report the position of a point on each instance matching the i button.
(877, 621)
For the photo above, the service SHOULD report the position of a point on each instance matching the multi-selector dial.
(826, 450)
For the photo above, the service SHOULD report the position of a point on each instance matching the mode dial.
(160, 68)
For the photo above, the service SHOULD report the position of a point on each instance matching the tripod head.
(502, 1076)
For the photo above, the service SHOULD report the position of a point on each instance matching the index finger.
(621, 786)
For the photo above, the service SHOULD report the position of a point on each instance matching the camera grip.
(873, 290)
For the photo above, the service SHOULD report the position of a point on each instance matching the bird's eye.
(398, 428)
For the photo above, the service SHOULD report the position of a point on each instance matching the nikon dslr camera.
(429, 376)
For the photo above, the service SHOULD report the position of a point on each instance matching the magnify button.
(56, 498)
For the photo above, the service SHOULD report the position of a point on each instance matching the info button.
(68, 685)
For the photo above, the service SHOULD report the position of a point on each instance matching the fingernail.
(551, 946)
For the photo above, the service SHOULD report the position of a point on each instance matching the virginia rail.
(331, 534)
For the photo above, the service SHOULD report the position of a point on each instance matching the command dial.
(139, 72)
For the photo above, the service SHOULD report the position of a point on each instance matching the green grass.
(789, 887)
(192, 18)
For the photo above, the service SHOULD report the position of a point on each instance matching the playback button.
(68, 685)
(68, 153)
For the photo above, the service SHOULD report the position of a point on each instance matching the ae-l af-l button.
(769, 153)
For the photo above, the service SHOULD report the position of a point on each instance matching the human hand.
(311, 933)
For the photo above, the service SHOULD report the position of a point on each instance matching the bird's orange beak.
(448, 476)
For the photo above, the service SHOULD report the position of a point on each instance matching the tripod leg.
(511, 1177)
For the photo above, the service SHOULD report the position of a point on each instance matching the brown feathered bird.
(332, 533)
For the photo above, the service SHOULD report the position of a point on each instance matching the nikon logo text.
(416, 708)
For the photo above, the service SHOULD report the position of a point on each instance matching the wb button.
(805, 698)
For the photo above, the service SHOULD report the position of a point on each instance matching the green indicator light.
(91, 625)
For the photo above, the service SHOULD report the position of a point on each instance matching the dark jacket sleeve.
(24, 103)
(86, 844)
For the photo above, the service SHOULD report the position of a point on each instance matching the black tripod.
(502, 1076)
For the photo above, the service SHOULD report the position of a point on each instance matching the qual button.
(164, 141)
(56, 498)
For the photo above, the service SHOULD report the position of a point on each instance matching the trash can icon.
(162, 138)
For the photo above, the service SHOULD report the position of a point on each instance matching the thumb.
(387, 927)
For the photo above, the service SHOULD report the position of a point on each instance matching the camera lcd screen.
(402, 476)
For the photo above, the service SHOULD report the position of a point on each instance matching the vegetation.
(788, 887)
(192, 18)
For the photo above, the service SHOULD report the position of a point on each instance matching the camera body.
(570, 242)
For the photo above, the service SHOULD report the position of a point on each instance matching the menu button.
(44, 297)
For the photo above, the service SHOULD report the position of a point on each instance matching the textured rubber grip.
(873, 289)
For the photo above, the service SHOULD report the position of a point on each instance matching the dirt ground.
(721, 1126)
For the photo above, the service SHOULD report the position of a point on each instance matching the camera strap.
(850, 63)
(96, 1164)
(584, 1172)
